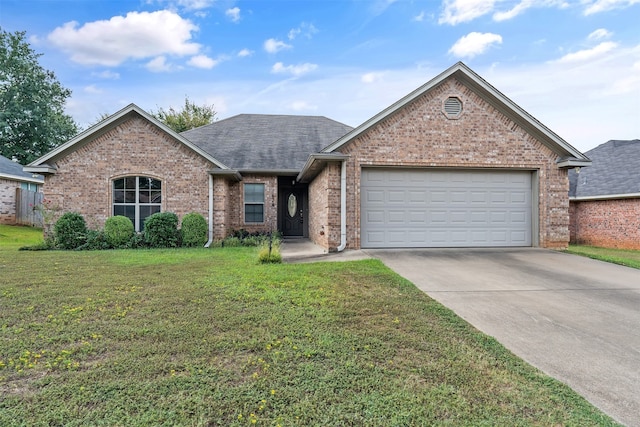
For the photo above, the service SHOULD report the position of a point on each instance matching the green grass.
(617, 256)
(14, 237)
(196, 337)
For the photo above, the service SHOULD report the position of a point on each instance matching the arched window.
(137, 197)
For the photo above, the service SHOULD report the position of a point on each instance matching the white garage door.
(445, 208)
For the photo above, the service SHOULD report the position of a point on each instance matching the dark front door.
(292, 212)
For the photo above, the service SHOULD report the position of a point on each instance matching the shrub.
(161, 230)
(118, 231)
(269, 255)
(70, 231)
(95, 241)
(194, 230)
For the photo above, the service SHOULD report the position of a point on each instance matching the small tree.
(191, 116)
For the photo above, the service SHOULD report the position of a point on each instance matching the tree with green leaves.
(191, 116)
(32, 118)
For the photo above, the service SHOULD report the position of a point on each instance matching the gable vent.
(452, 107)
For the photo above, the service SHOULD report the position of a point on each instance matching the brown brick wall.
(8, 201)
(419, 135)
(236, 204)
(606, 223)
(324, 222)
(83, 182)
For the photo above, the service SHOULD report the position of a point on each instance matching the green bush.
(70, 231)
(95, 241)
(269, 255)
(118, 231)
(161, 230)
(194, 230)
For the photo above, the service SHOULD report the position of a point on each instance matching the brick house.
(453, 163)
(604, 199)
(12, 177)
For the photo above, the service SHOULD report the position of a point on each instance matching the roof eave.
(605, 197)
(571, 163)
(43, 169)
(315, 162)
(21, 178)
(227, 173)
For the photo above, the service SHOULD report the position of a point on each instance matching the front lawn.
(193, 337)
(616, 256)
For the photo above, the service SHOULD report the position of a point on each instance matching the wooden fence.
(26, 203)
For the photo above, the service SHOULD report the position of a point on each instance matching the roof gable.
(615, 171)
(263, 142)
(42, 165)
(568, 155)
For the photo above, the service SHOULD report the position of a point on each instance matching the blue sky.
(572, 64)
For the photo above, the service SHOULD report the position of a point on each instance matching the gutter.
(343, 207)
(605, 197)
(206, 245)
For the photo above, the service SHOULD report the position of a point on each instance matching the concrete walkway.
(574, 318)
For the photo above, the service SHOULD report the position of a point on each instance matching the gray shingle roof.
(615, 171)
(266, 142)
(9, 167)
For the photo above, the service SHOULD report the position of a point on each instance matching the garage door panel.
(441, 208)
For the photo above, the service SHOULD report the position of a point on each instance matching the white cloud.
(597, 6)
(474, 44)
(419, 17)
(137, 35)
(307, 30)
(92, 89)
(233, 14)
(302, 106)
(513, 12)
(245, 52)
(273, 45)
(588, 54)
(459, 11)
(159, 65)
(599, 34)
(202, 61)
(295, 70)
(371, 77)
(107, 74)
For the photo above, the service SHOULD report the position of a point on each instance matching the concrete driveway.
(574, 318)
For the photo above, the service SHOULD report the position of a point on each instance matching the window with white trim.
(137, 197)
(253, 203)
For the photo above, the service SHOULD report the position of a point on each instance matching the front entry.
(292, 208)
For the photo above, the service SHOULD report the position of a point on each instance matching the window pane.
(143, 182)
(118, 184)
(254, 213)
(156, 196)
(129, 196)
(118, 196)
(130, 183)
(143, 197)
(254, 193)
(155, 184)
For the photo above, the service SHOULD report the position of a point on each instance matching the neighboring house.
(13, 177)
(454, 163)
(605, 197)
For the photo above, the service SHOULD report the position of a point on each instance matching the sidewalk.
(304, 250)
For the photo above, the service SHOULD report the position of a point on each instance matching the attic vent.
(452, 107)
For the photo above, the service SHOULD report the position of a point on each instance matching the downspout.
(343, 207)
(206, 245)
